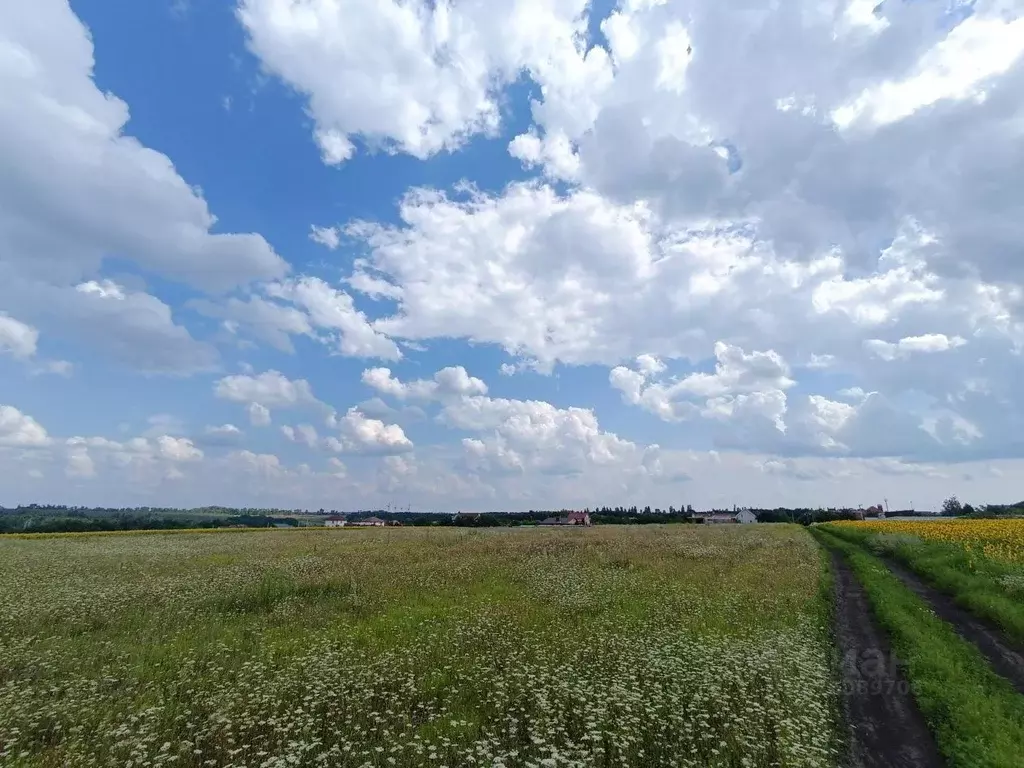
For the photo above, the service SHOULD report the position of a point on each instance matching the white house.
(745, 516)
(740, 516)
(335, 521)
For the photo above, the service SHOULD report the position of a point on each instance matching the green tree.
(952, 507)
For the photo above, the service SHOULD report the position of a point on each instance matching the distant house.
(335, 521)
(743, 516)
(374, 522)
(573, 518)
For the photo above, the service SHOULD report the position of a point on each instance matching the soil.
(1005, 656)
(886, 728)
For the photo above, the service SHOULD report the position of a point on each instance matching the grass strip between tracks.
(977, 717)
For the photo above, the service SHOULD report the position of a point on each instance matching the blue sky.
(603, 258)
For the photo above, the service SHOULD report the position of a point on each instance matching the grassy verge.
(977, 717)
(984, 586)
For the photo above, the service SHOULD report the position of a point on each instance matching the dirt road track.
(887, 730)
(1006, 658)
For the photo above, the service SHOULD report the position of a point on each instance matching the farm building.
(375, 522)
(335, 521)
(739, 516)
(573, 518)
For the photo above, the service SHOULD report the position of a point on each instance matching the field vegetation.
(978, 562)
(976, 716)
(646, 646)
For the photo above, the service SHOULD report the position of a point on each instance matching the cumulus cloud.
(177, 449)
(270, 389)
(225, 434)
(932, 342)
(131, 327)
(259, 415)
(512, 436)
(303, 433)
(144, 461)
(360, 434)
(346, 328)
(266, 320)
(329, 237)
(79, 189)
(19, 429)
(265, 465)
(533, 435)
(17, 338)
(447, 383)
(741, 383)
(443, 64)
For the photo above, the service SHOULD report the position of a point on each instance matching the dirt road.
(1006, 658)
(887, 730)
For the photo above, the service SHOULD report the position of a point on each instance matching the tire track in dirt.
(1005, 657)
(886, 728)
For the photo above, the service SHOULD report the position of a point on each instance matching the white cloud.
(271, 389)
(742, 383)
(259, 415)
(329, 237)
(451, 382)
(363, 435)
(140, 460)
(57, 367)
(958, 67)
(128, 326)
(931, 342)
(177, 449)
(264, 319)
(533, 435)
(79, 462)
(225, 434)
(78, 189)
(265, 465)
(303, 433)
(104, 289)
(415, 77)
(348, 329)
(16, 337)
(20, 429)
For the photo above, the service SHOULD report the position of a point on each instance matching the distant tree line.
(79, 521)
(953, 507)
(55, 518)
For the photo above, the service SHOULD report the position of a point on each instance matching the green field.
(979, 562)
(976, 716)
(661, 645)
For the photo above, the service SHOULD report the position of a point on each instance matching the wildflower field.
(660, 645)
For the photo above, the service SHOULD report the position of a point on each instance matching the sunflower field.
(997, 539)
(980, 562)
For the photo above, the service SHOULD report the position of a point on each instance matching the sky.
(458, 254)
